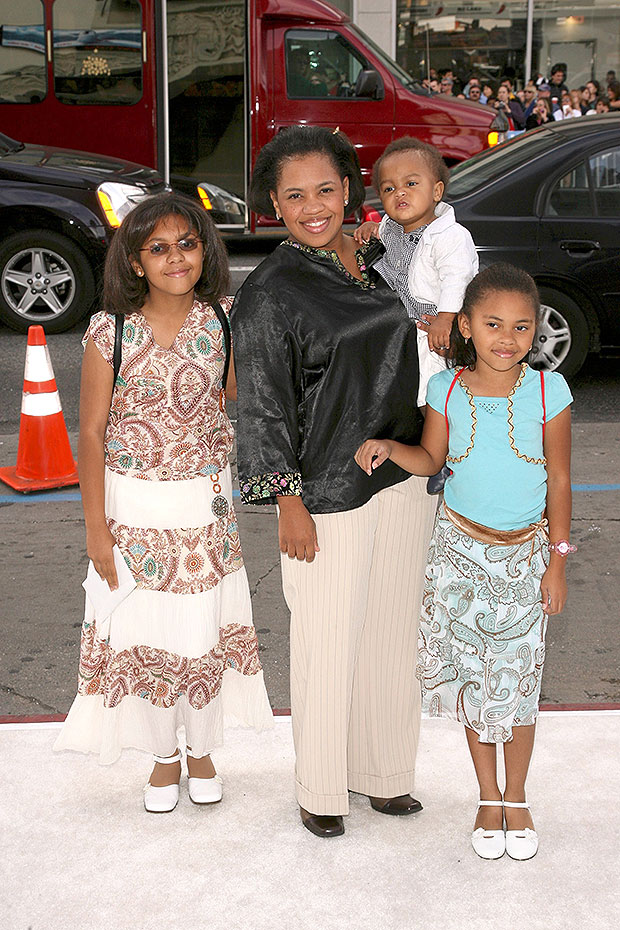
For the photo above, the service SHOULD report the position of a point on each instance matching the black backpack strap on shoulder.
(119, 323)
(225, 324)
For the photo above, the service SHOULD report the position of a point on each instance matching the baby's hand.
(373, 453)
(439, 333)
(365, 231)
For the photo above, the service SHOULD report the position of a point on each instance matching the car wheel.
(562, 336)
(44, 278)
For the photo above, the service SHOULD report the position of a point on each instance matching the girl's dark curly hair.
(498, 277)
(431, 155)
(297, 142)
(123, 291)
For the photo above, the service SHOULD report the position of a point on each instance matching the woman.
(325, 352)
(613, 94)
(512, 105)
(540, 115)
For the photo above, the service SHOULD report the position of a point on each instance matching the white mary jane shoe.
(521, 844)
(204, 790)
(162, 800)
(489, 844)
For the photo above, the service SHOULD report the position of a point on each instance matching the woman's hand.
(99, 545)
(553, 587)
(296, 529)
(363, 233)
(373, 453)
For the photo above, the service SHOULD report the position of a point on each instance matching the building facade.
(489, 36)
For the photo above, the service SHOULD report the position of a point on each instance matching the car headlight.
(216, 198)
(117, 200)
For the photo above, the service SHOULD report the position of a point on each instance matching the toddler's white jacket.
(443, 264)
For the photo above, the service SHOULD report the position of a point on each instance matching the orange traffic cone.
(44, 457)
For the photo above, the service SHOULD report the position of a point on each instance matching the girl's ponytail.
(461, 354)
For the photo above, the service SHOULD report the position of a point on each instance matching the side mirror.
(369, 84)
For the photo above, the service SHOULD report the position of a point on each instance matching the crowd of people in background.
(540, 100)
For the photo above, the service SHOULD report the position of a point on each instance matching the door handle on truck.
(580, 248)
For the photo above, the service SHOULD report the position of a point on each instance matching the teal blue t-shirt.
(492, 485)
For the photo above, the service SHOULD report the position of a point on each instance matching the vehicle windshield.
(495, 162)
(395, 69)
(9, 145)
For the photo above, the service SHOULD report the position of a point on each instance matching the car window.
(97, 51)
(22, 52)
(570, 194)
(605, 173)
(496, 162)
(320, 64)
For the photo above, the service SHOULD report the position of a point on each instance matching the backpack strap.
(225, 324)
(542, 396)
(450, 389)
(119, 323)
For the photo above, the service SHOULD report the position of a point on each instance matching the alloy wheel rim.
(553, 339)
(38, 284)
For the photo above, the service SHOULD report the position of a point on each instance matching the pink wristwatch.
(562, 547)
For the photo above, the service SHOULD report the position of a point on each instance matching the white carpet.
(80, 853)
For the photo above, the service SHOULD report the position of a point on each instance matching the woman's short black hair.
(297, 142)
(123, 290)
(498, 277)
(431, 155)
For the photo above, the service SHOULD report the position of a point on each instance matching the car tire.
(30, 263)
(562, 336)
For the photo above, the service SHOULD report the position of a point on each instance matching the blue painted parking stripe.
(59, 497)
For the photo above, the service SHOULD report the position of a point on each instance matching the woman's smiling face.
(310, 198)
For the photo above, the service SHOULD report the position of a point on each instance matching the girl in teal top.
(496, 563)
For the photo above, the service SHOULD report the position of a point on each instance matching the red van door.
(321, 78)
(80, 74)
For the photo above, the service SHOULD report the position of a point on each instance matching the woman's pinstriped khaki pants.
(355, 700)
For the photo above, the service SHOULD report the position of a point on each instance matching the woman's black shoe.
(321, 824)
(403, 804)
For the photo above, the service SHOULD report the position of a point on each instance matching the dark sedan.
(549, 201)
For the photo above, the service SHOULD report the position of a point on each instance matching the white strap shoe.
(521, 844)
(204, 790)
(162, 800)
(489, 844)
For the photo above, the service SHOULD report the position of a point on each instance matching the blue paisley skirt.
(482, 631)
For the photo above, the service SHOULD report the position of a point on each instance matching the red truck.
(196, 89)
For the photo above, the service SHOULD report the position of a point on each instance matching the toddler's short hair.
(431, 155)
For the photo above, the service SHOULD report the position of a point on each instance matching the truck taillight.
(369, 214)
(498, 128)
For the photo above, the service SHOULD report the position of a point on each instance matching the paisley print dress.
(481, 646)
(180, 652)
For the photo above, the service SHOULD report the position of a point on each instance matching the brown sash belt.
(485, 534)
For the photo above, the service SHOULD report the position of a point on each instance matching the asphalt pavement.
(43, 558)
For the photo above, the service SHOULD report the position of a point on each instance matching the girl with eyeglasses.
(179, 654)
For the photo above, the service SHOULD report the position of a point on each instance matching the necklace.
(510, 419)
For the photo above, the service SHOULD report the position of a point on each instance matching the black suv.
(58, 211)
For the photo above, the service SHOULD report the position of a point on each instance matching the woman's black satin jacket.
(323, 361)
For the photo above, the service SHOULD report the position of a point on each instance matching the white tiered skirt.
(180, 652)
